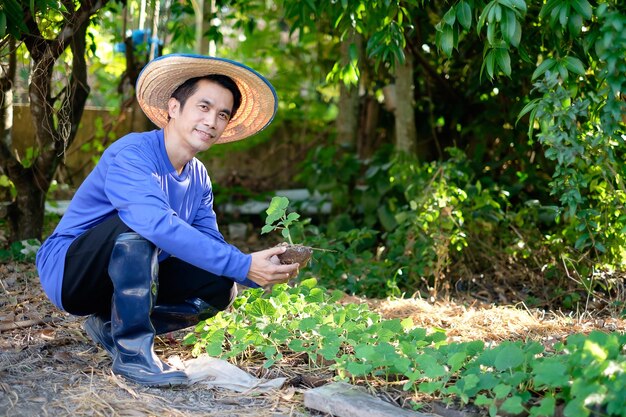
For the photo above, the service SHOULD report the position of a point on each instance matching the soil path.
(49, 367)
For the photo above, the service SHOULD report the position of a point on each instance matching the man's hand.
(266, 270)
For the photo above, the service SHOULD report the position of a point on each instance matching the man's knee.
(223, 294)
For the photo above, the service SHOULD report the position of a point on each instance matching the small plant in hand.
(278, 219)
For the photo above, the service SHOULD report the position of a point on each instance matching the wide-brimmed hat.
(160, 77)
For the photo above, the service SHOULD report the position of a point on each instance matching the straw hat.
(160, 77)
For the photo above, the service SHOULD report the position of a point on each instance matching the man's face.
(201, 122)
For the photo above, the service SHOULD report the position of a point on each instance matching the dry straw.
(162, 76)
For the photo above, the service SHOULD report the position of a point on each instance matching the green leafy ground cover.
(581, 376)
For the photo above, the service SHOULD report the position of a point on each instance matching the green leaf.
(464, 14)
(509, 356)
(595, 350)
(353, 52)
(214, 343)
(548, 8)
(330, 349)
(582, 241)
(5, 181)
(3, 24)
(509, 25)
(483, 16)
(190, 339)
(447, 40)
(335, 296)
(490, 63)
(562, 70)
(394, 325)
(551, 373)
(267, 228)
(291, 217)
(501, 390)
(513, 405)
(407, 323)
(482, 399)
(576, 408)
(315, 296)
(574, 65)
(359, 369)
(599, 246)
(311, 283)
(430, 366)
(491, 33)
(564, 14)
(261, 308)
(430, 387)
(311, 5)
(575, 24)
(528, 107)
(546, 407)
(15, 24)
(366, 352)
(308, 323)
(504, 61)
(450, 17)
(273, 217)
(520, 5)
(543, 67)
(456, 361)
(297, 345)
(582, 7)
(277, 205)
(497, 9)
(517, 36)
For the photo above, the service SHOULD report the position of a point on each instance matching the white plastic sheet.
(218, 373)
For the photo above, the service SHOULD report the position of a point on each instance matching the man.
(139, 249)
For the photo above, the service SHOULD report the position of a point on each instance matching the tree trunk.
(368, 135)
(7, 79)
(55, 126)
(26, 213)
(348, 116)
(406, 134)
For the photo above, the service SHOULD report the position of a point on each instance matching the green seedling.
(278, 219)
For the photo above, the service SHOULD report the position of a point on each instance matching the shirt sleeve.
(135, 192)
(206, 221)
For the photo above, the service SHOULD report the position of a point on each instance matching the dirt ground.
(49, 367)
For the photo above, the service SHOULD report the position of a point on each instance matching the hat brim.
(162, 76)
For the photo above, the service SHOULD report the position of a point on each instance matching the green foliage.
(20, 251)
(573, 52)
(277, 218)
(307, 320)
(584, 375)
(588, 177)
(405, 224)
(5, 182)
(580, 75)
(383, 24)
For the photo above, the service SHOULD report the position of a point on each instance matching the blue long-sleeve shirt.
(135, 179)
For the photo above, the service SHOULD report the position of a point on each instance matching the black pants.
(87, 287)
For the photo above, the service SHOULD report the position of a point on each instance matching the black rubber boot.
(165, 318)
(134, 271)
(99, 330)
(171, 317)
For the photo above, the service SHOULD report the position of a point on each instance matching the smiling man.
(139, 249)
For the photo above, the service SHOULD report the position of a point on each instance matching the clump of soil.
(295, 254)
